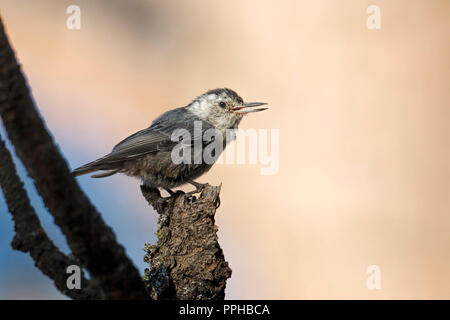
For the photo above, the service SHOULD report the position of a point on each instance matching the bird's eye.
(222, 104)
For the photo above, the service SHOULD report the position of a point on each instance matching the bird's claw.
(198, 186)
(190, 196)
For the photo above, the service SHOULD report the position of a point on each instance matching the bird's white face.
(222, 108)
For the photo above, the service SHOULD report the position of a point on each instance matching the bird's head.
(223, 108)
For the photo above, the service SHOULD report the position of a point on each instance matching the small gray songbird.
(147, 154)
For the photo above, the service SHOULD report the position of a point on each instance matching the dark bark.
(31, 238)
(90, 239)
(187, 261)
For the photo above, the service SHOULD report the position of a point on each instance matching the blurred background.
(364, 162)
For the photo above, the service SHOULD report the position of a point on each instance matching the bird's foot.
(198, 189)
(198, 186)
(190, 196)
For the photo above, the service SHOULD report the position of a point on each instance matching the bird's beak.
(248, 108)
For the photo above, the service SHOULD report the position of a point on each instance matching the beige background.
(363, 115)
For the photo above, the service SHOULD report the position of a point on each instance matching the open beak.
(248, 108)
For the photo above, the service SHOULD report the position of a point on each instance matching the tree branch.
(30, 236)
(90, 239)
(187, 261)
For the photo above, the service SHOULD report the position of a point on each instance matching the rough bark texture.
(31, 238)
(187, 261)
(89, 238)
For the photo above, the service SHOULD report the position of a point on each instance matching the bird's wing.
(143, 142)
(157, 137)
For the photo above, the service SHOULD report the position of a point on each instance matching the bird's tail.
(98, 165)
(82, 170)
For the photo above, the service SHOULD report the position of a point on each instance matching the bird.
(148, 154)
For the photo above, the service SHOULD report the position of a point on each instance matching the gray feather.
(155, 138)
